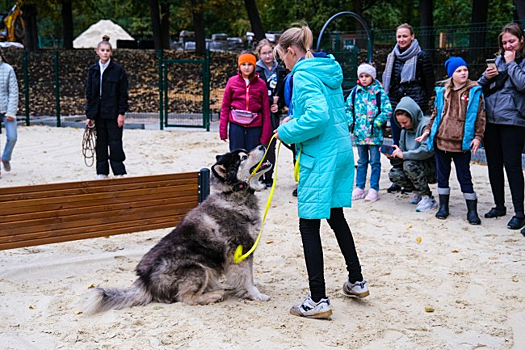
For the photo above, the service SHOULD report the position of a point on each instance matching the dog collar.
(240, 186)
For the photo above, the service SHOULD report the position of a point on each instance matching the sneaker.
(119, 176)
(415, 199)
(393, 188)
(426, 203)
(101, 177)
(7, 165)
(310, 308)
(358, 193)
(358, 289)
(372, 196)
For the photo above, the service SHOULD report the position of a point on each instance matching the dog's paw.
(262, 297)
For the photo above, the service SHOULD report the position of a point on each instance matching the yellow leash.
(238, 256)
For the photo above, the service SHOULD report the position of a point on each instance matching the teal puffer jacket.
(320, 130)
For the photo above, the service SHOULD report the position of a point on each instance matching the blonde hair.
(262, 44)
(406, 26)
(300, 36)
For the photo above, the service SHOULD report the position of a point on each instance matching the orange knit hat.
(247, 57)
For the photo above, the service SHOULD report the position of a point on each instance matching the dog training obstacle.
(52, 213)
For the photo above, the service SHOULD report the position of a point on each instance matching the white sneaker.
(119, 176)
(415, 199)
(372, 195)
(358, 193)
(426, 203)
(101, 177)
(358, 289)
(310, 308)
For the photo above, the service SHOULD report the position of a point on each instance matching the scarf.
(409, 56)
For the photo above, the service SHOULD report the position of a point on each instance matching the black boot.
(443, 213)
(472, 214)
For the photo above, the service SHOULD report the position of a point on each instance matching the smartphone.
(491, 63)
(387, 149)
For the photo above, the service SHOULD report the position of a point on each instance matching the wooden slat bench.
(51, 213)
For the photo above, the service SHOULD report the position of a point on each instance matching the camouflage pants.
(415, 175)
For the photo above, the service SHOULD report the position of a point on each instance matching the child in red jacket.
(245, 108)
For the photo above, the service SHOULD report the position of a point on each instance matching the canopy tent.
(93, 35)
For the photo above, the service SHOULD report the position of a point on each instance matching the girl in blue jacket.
(319, 129)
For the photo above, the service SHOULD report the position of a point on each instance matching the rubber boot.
(472, 207)
(444, 196)
(442, 212)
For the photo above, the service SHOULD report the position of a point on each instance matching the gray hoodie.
(413, 150)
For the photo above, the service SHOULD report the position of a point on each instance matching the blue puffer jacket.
(319, 129)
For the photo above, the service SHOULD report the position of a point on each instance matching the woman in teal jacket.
(319, 129)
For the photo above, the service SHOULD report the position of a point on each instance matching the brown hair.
(406, 26)
(299, 36)
(105, 41)
(261, 44)
(514, 29)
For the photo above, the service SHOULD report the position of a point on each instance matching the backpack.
(352, 99)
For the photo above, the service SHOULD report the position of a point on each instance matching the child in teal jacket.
(368, 109)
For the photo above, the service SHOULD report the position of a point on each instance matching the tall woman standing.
(504, 87)
(408, 72)
(319, 129)
(107, 103)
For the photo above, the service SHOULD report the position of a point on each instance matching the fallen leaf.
(409, 226)
(91, 286)
(514, 279)
(79, 312)
(455, 251)
(32, 307)
(270, 241)
(429, 309)
(418, 240)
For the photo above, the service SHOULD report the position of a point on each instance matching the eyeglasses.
(269, 53)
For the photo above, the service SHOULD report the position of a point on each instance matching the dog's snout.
(261, 148)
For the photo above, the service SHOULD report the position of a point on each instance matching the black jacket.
(114, 100)
(277, 90)
(420, 89)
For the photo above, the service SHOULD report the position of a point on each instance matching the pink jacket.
(236, 95)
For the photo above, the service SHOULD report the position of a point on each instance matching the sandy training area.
(472, 277)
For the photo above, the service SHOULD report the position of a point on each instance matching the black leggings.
(503, 148)
(313, 250)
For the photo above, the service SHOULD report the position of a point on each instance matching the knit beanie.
(247, 57)
(454, 63)
(367, 69)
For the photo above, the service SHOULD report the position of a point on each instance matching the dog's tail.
(104, 299)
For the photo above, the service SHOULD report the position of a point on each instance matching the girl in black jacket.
(107, 103)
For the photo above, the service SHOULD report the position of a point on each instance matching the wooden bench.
(51, 213)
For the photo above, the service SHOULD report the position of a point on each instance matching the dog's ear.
(220, 171)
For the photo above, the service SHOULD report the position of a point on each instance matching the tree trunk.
(478, 30)
(31, 29)
(426, 21)
(197, 11)
(255, 19)
(520, 11)
(155, 23)
(67, 24)
(165, 24)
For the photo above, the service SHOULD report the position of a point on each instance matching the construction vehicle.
(12, 27)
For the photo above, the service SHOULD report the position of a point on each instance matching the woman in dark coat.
(504, 87)
(408, 72)
(107, 103)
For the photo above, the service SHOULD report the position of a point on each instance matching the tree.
(520, 11)
(31, 34)
(255, 19)
(67, 22)
(478, 29)
(155, 23)
(197, 10)
(426, 22)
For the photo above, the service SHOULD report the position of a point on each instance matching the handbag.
(243, 117)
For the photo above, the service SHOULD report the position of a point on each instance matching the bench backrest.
(51, 213)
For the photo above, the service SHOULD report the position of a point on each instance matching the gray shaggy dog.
(185, 265)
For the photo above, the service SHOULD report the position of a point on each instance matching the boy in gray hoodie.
(416, 167)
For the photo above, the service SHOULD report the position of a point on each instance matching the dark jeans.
(396, 130)
(244, 138)
(462, 164)
(109, 135)
(313, 250)
(503, 148)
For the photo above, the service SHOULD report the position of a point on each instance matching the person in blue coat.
(325, 162)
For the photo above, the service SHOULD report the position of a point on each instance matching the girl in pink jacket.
(245, 112)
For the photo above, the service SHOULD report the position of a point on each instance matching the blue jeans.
(362, 165)
(11, 136)
(244, 138)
